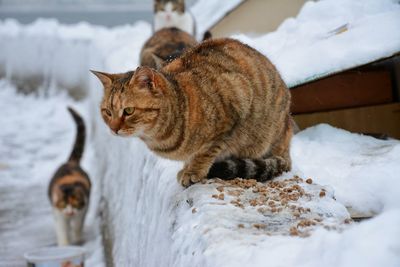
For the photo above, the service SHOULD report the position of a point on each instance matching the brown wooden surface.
(381, 119)
(344, 90)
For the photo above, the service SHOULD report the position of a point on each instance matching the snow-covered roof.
(329, 36)
(326, 37)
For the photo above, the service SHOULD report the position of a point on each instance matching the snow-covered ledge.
(151, 221)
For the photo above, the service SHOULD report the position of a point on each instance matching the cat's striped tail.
(262, 169)
(79, 145)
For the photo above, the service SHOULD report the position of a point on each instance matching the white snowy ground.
(36, 137)
(152, 220)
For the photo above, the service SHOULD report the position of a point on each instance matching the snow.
(364, 163)
(150, 218)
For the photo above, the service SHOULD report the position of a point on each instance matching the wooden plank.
(343, 90)
(380, 119)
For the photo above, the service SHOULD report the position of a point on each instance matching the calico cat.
(165, 45)
(171, 13)
(221, 107)
(69, 191)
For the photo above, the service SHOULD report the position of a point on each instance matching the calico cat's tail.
(262, 169)
(79, 145)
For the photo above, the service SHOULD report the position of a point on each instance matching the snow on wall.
(59, 56)
(42, 54)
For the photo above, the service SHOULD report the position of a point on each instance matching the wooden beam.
(380, 119)
(344, 90)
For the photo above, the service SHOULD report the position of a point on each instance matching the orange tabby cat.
(221, 107)
(69, 191)
(165, 45)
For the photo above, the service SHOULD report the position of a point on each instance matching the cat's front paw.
(186, 178)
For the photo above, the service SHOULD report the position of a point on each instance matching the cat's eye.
(107, 111)
(129, 110)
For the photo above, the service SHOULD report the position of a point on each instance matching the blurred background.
(100, 12)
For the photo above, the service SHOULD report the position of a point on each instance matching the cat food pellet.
(235, 193)
(309, 181)
(194, 210)
(253, 202)
(221, 196)
(241, 225)
(259, 226)
(214, 196)
(220, 188)
(322, 194)
(293, 231)
(306, 223)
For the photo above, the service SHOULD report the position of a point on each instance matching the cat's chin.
(126, 135)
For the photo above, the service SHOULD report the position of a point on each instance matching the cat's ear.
(159, 61)
(146, 78)
(105, 78)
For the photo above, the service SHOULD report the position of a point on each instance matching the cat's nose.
(115, 125)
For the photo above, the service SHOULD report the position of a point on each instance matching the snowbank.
(59, 56)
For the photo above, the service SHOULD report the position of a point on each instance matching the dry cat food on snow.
(284, 206)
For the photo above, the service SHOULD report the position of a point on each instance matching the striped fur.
(221, 107)
(166, 45)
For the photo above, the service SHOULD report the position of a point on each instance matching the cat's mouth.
(125, 133)
(69, 213)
